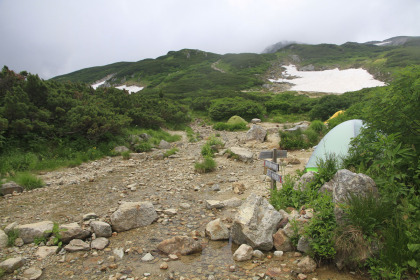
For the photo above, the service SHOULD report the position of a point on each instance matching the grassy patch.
(170, 152)
(207, 165)
(28, 181)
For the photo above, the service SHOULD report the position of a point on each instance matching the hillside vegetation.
(64, 121)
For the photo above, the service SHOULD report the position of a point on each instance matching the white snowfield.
(329, 81)
(131, 89)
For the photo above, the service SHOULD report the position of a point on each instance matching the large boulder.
(346, 182)
(182, 245)
(242, 154)
(29, 232)
(10, 188)
(255, 223)
(72, 231)
(217, 230)
(133, 215)
(257, 133)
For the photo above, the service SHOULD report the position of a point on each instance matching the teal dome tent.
(336, 142)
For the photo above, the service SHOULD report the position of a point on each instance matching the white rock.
(217, 230)
(243, 253)
(147, 258)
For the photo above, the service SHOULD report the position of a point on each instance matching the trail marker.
(272, 166)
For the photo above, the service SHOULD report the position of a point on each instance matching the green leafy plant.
(207, 165)
(12, 235)
(125, 155)
(170, 152)
(28, 181)
(56, 234)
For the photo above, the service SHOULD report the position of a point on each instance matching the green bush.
(12, 235)
(170, 152)
(143, 147)
(207, 165)
(28, 181)
(125, 155)
(318, 126)
(229, 127)
(293, 140)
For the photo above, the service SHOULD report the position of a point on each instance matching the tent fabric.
(337, 142)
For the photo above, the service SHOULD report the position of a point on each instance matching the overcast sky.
(54, 37)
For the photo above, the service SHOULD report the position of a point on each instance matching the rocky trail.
(178, 194)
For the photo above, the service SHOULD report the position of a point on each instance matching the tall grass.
(28, 181)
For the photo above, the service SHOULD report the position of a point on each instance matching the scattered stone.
(180, 245)
(217, 230)
(243, 154)
(19, 242)
(243, 253)
(214, 204)
(170, 212)
(3, 239)
(282, 241)
(302, 276)
(121, 149)
(45, 251)
(257, 133)
(90, 216)
(77, 245)
(273, 272)
(307, 265)
(164, 265)
(238, 188)
(255, 223)
(72, 231)
(133, 215)
(10, 188)
(278, 254)
(184, 205)
(29, 232)
(173, 257)
(232, 202)
(119, 252)
(32, 273)
(258, 254)
(101, 229)
(164, 145)
(99, 243)
(215, 188)
(147, 258)
(12, 264)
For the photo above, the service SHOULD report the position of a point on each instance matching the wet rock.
(243, 154)
(3, 239)
(119, 252)
(255, 223)
(10, 188)
(77, 245)
(282, 241)
(217, 230)
(32, 273)
(45, 251)
(306, 265)
(243, 253)
(257, 133)
(12, 264)
(274, 272)
(133, 215)
(101, 229)
(29, 232)
(72, 231)
(99, 243)
(180, 245)
(164, 266)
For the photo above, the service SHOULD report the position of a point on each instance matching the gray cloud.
(53, 37)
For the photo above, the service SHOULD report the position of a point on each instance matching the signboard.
(269, 154)
(271, 165)
(273, 175)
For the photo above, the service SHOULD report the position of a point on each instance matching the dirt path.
(100, 187)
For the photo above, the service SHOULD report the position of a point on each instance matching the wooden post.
(273, 182)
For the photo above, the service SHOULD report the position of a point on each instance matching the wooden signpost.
(272, 166)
